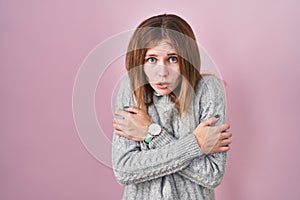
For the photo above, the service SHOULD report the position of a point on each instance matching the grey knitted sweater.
(172, 166)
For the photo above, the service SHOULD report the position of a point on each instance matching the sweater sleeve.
(132, 163)
(208, 170)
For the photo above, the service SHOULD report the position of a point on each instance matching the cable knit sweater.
(172, 166)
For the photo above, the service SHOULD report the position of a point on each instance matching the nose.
(163, 70)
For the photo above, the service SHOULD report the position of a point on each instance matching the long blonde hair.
(147, 35)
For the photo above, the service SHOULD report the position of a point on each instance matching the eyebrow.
(154, 55)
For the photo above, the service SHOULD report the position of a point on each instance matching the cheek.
(148, 72)
(177, 69)
(176, 72)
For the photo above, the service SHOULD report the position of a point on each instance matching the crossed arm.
(135, 163)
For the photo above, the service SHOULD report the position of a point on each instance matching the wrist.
(153, 131)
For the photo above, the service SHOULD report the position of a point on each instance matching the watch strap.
(148, 138)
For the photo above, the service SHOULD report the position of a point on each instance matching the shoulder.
(210, 86)
(123, 87)
(210, 97)
(124, 83)
(124, 92)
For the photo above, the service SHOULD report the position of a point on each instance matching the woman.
(170, 138)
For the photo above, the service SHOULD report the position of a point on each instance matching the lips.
(162, 85)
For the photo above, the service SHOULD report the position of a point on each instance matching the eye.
(151, 60)
(173, 59)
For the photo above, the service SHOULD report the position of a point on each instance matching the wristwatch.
(153, 131)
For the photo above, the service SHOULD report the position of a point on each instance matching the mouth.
(162, 85)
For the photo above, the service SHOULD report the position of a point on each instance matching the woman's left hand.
(132, 123)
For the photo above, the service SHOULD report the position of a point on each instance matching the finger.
(225, 135)
(225, 142)
(224, 148)
(121, 113)
(121, 122)
(116, 127)
(225, 127)
(117, 116)
(220, 149)
(133, 109)
(210, 121)
(122, 134)
(114, 121)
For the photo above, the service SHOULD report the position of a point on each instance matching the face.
(162, 68)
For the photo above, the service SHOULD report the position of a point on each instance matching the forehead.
(162, 47)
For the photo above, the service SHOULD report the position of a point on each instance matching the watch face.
(154, 129)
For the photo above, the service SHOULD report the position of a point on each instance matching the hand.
(213, 139)
(132, 123)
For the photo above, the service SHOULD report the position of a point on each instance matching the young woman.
(170, 138)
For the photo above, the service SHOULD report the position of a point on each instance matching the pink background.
(255, 44)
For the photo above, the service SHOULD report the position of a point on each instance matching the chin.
(163, 92)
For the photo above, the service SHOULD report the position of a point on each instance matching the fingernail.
(117, 116)
(217, 116)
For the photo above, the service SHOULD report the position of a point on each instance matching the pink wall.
(43, 44)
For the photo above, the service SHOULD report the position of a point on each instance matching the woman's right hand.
(132, 123)
(213, 139)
